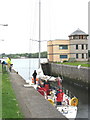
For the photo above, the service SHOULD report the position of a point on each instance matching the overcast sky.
(59, 18)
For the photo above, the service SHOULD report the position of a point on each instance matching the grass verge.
(83, 64)
(10, 107)
(0, 91)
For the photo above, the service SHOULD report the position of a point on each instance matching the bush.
(65, 61)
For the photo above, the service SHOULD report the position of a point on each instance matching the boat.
(69, 105)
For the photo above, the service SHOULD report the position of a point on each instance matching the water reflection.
(82, 95)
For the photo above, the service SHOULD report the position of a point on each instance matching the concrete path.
(32, 103)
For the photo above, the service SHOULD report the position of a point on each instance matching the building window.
(63, 56)
(81, 37)
(86, 55)
(86, 46)
(71, 37)
(82, 55)
(77, 56)
(76, 47)
(63, 46)
(75, 37)
(82, 47)
(84, 37)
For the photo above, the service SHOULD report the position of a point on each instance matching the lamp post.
(3, 24)
(1, 40)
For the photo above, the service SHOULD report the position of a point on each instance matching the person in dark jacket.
(34, 76)
(3, 63)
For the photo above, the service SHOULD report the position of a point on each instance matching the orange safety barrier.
(33, 80)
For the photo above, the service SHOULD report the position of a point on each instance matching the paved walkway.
(32, 104)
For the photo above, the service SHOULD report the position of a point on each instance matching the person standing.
(34, 76)
(9, 63)
(4, 64)
(59, 96)
(47, 86)
(59, 81)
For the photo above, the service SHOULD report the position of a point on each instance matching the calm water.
(25, 68)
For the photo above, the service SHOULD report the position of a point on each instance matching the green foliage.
(26, 55)
(65, 61)
(10, 107)
(44, 54)
(0, 91)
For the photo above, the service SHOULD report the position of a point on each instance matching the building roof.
(57, 40)
(78, 32)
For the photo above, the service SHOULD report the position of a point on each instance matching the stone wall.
(74, 73)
